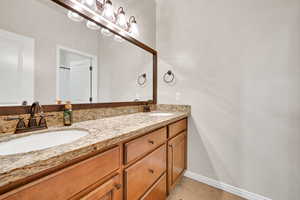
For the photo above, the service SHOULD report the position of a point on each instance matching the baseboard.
(223, 186)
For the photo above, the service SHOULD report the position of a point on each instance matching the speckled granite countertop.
(102, 133)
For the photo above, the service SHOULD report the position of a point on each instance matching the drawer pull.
(118, 186)
(151, 141)
(151, 171)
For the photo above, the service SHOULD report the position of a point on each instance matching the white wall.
(237, 64)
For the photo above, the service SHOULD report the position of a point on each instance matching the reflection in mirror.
(46, 57)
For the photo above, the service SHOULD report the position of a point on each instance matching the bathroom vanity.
(74, 53)
(136, 156)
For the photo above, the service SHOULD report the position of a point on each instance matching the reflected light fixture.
(75, 16)
(92, 25)
(118, 38)
(106, 32)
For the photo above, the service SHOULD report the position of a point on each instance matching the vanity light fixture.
(108, 11)
(90, 3)
(103, 10)
(121, 18)
(133, 27)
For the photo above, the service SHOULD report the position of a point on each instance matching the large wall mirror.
(46, 57)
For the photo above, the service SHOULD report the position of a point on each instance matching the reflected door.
(76, 77)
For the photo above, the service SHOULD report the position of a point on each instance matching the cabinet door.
(110, 190)
(176, 158)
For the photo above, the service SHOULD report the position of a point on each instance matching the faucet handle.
(21, 124)
(13, 118)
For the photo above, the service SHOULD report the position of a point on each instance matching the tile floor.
(189, 189)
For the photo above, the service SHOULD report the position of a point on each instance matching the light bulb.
(90, 2)
(108, 11)
(92, 25)
(106, 32)
(121, 18)
(118, 38)
(75, 16)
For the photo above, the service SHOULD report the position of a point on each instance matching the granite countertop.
(103, 133)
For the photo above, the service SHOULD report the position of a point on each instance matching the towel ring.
(142, 79)
(169, 74)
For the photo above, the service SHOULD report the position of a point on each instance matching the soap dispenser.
(68, 115)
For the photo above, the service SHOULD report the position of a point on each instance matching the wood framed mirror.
(103, 78)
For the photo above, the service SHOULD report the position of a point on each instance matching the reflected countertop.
(103, 133)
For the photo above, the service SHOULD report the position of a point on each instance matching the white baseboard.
(223, 186)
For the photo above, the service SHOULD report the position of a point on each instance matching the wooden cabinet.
(176, 158)
(110, 190)
(140, 176)
(144, 168)
(177, 127)
(158, 191)
(144, 144)
(69, 181)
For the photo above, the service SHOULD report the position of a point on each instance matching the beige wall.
(49, 25)
(237, 64)
(29, 18)
(121, 63)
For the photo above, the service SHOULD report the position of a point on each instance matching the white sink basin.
(40, 141)
(160, 114)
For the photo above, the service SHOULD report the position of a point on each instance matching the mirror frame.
(70, 5)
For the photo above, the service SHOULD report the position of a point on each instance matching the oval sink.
(160, 114)
(40, 141)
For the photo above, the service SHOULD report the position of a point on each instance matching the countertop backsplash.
(56, 118)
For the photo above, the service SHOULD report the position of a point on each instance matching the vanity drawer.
(177, 127)
(140, 176)
(142, 145)
(158, 190)
(110, 190)
(64, 184)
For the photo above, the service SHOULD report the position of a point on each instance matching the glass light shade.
(75, 17)
(118, 38)
(108, 11)
(134, 29)
(121, 20)
(90, 3)
(106, 32)
(92, 25)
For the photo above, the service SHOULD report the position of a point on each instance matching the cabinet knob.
(151, 171)
(151, 141)
(118, 186)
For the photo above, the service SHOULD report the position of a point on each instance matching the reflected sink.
(160, 114)
(40, 141)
